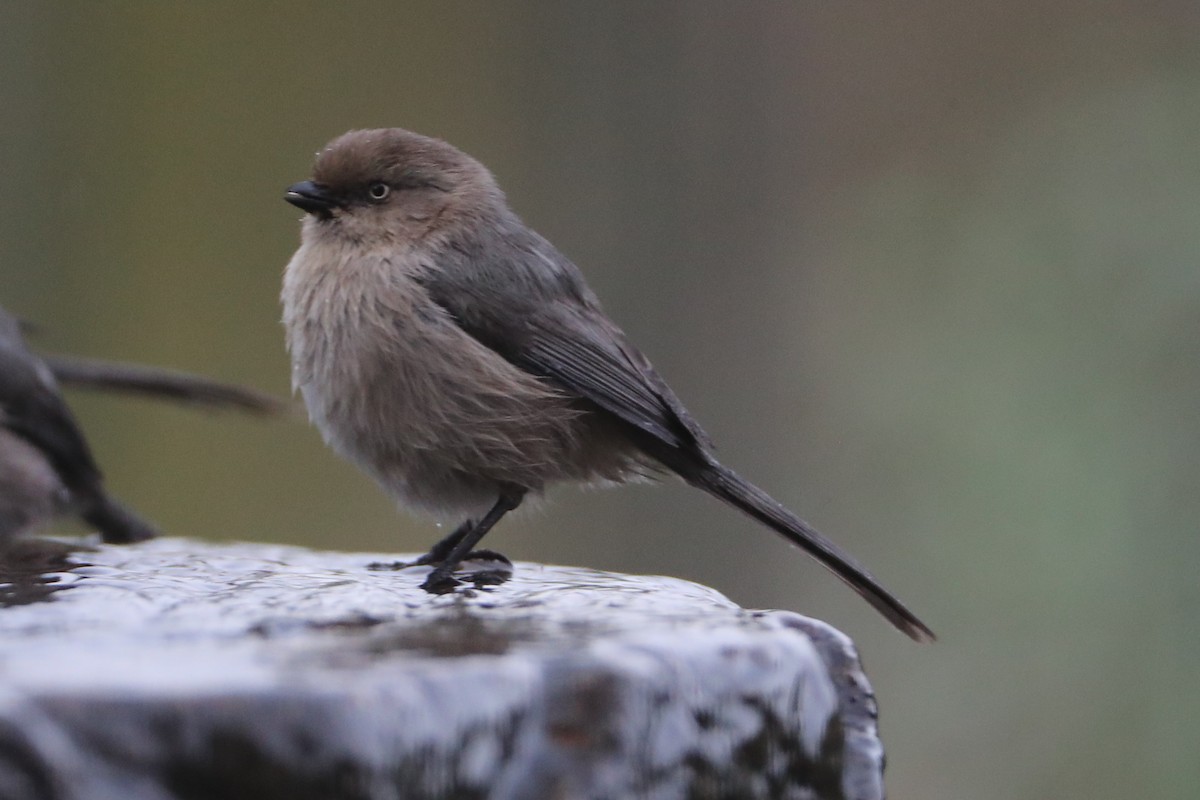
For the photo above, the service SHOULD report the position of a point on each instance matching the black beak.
(311, 197)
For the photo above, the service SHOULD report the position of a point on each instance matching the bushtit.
(46, 467)
(458, 358)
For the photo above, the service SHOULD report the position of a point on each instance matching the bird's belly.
(442, 422)
(31, 492)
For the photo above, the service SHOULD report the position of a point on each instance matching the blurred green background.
(927, 271)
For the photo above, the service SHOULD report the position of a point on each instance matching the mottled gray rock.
(184, 670)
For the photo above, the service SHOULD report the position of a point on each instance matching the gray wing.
(587, 354)
(518, 296)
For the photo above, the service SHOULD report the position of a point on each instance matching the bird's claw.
(440, 583)
(488, 568)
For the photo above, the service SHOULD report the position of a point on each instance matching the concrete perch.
(181, 670)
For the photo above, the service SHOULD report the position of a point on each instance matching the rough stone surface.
(182, 670)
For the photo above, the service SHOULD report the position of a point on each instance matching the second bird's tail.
(116, 523)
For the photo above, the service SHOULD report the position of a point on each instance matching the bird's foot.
(479, 568)
(430, 559)
(440, 582)
(486, 568)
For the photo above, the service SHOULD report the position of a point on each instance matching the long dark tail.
(86, 373)
(727, 485)
(116, 523)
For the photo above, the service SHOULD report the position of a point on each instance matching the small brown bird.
(46, 467)
(459, 359)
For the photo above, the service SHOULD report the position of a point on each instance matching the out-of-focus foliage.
(927, 271)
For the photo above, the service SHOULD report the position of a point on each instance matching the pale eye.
(379, 191)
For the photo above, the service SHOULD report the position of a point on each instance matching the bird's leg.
(437, 554)
(441, 580)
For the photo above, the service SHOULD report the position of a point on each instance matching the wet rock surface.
(184, 670)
